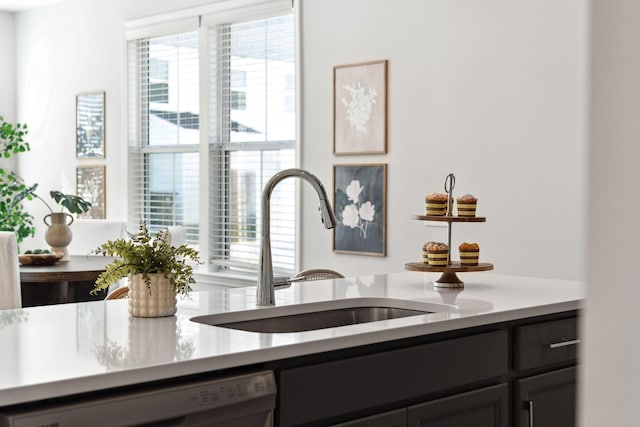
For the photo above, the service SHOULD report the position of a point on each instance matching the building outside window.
(210, 121)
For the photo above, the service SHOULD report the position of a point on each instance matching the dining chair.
(119, 293)
(10, 292)
(319, 274)
(89, 234)
(177, 235)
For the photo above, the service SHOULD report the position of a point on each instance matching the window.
(243, 71)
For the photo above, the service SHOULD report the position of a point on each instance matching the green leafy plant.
(74, 204)
(13, 216)
(142, 254)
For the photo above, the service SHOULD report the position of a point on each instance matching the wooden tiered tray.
(449, 278)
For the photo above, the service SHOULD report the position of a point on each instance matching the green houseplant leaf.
(74, 204)
(13, 190)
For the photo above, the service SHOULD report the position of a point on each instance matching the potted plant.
(157, 271)
(58, 234)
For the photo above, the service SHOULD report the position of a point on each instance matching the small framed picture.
(360, 205)
(90, 185)
(360, 108)
(90, 136)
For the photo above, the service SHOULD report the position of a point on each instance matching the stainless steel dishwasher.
(246, 400)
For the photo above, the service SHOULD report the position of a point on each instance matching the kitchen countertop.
(66, 349)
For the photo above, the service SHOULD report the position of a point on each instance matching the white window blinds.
(252, 109)
(164, 131)
(241, 71)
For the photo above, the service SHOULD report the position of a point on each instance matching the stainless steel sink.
(309, 317)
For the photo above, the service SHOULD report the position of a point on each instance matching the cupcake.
(436, 204)
(437, 253)
(425, 252)
(469, 253)
(467, 205)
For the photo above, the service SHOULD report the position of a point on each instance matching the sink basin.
(329, 314)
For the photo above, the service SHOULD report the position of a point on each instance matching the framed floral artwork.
(90, 125)
(360, 108)
(360, 205)
(90, 185)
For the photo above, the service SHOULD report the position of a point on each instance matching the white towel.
(10, 296)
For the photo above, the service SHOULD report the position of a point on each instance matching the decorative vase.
(158, 299)
(59, 234)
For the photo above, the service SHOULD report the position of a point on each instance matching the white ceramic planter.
(156, 300)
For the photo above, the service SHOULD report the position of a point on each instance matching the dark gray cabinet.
(491, 376)
(548, 399)
(320, 391)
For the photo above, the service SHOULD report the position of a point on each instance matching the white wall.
(7, 67)
(7, 77)
(492, 91)
(610, 373)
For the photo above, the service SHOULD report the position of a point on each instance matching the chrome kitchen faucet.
(266, 281)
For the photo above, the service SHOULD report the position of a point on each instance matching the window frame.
(201, 19)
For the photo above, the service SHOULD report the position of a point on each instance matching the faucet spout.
(265, 288)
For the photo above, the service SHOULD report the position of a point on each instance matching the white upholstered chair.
(177, 235)
(10, 294)
(88, 234)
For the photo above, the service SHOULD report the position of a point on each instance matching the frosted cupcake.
(437, 253)
(436, 204)
(467, 205)
(469, 253)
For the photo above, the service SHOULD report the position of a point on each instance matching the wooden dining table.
(63, 282)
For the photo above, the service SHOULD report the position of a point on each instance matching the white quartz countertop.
(67, 349)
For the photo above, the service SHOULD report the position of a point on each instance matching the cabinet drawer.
(364, 383)
(546, 343)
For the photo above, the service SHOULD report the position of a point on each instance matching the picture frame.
(91, 186)
(360, 206)
(360, 108)
(90, 125)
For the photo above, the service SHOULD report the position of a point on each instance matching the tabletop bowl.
(39, 259)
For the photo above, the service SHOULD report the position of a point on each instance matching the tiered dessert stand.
(449, 278)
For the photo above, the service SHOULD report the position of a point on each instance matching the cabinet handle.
(530, 405)
(564, 343)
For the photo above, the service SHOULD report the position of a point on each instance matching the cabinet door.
(487, 407)
(547, 400)
(396, 418)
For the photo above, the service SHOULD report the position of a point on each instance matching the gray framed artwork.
(90, 138)
(90, 185)
(360, 108)
(360, 205)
